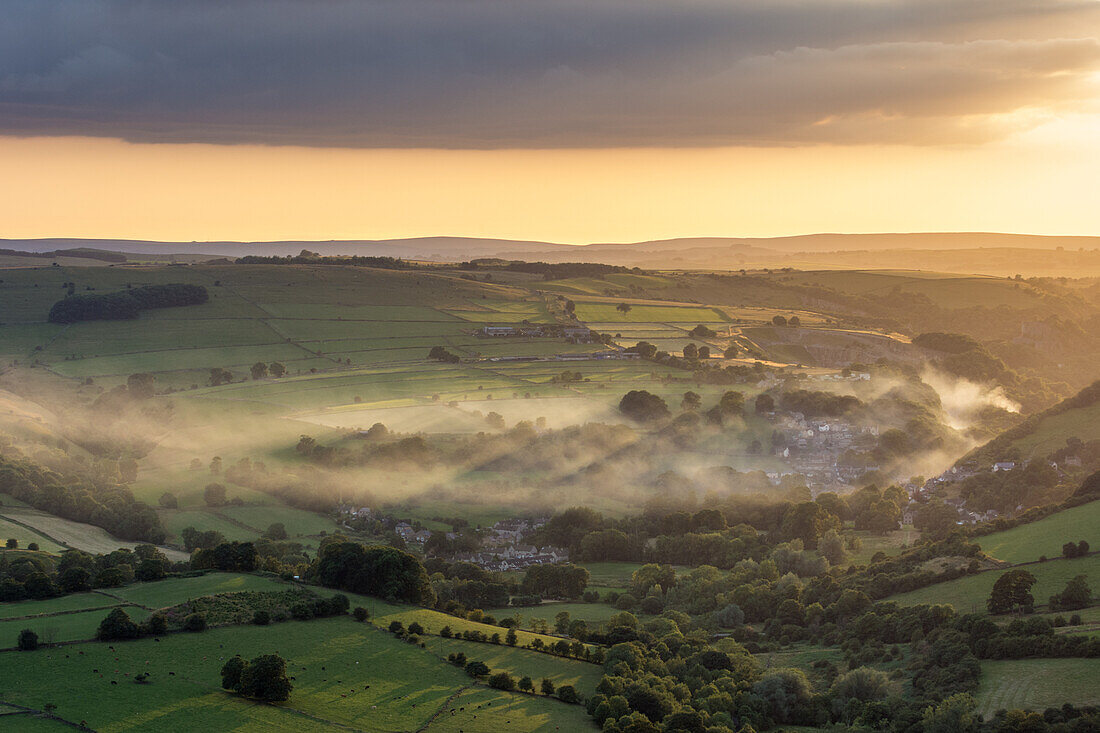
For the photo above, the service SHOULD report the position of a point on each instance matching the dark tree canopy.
(125, 304)
(643, 406)
(381, 571)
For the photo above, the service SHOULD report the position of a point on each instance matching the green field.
(1052, 432)
(164, 593)
(74, 602)
(346, 675)
(593, 614)
(608, 313)
(24, 536)
(1046, 537)
(969, 594)
(519, 662)
(85, 537)
(1036, 684)
(63, 627)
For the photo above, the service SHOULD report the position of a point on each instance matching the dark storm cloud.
(540, 73)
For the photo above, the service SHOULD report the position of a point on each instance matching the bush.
(416, 628)
(155, 625)
(195, 622)
(568, 694)
(28, 640)
(261, 618)
(396, 627)
(360, 614)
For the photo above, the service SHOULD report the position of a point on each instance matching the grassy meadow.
(1045, 537)
(969, 594)
(1036, 684)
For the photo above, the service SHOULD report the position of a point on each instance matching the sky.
(617, 120)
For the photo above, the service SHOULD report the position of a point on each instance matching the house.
(498, 331)
(1003, 466)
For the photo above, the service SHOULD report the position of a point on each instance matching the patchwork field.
(345, 675)
(1036, 684)
(1046, 537)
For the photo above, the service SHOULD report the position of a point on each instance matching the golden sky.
(1045, 182)
(562, 120)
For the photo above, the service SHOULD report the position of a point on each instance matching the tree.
(1077, 594)
(691, 401)
(117, 625)
(75, 580)
(691, 351)
(259, 370)
(168, 500)
(643, 406)
(831, 547)
(779, 321)
(955, 714)
(936, 517)
(703, 352)
(477, 669)
(730, 616)
(502, 681)
(277, 369)
(219, 376)
(360, 614)
(807, 521)
(526, 684)
(276, 531)
(794, 321)
(764, 403)
(547, 687)
(623, 307)
(263, 678)
(214, 495)
(1011, 590)
(28, 640)
(786, 692)
(568, 694)
(731, 352)
(863, 683)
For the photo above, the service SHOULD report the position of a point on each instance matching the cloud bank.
(544, 73)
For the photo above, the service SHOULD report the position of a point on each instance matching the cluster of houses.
(813, 449)
(579, 334)
(504, 548)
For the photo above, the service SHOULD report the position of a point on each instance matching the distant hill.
(1046, 431)
(967, 252)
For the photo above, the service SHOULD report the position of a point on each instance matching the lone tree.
(214, 495)
(117, 625)
(28, 640)
(263, 678)
(1011, 590)
(623, 307)
(277, 369)
(259, 370)
(643, 406)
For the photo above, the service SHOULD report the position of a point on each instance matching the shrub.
(568, 694)
(396, 627)
(416, 628)
(261, 618)
(195, 622)
(360, 614)
(547, 687)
